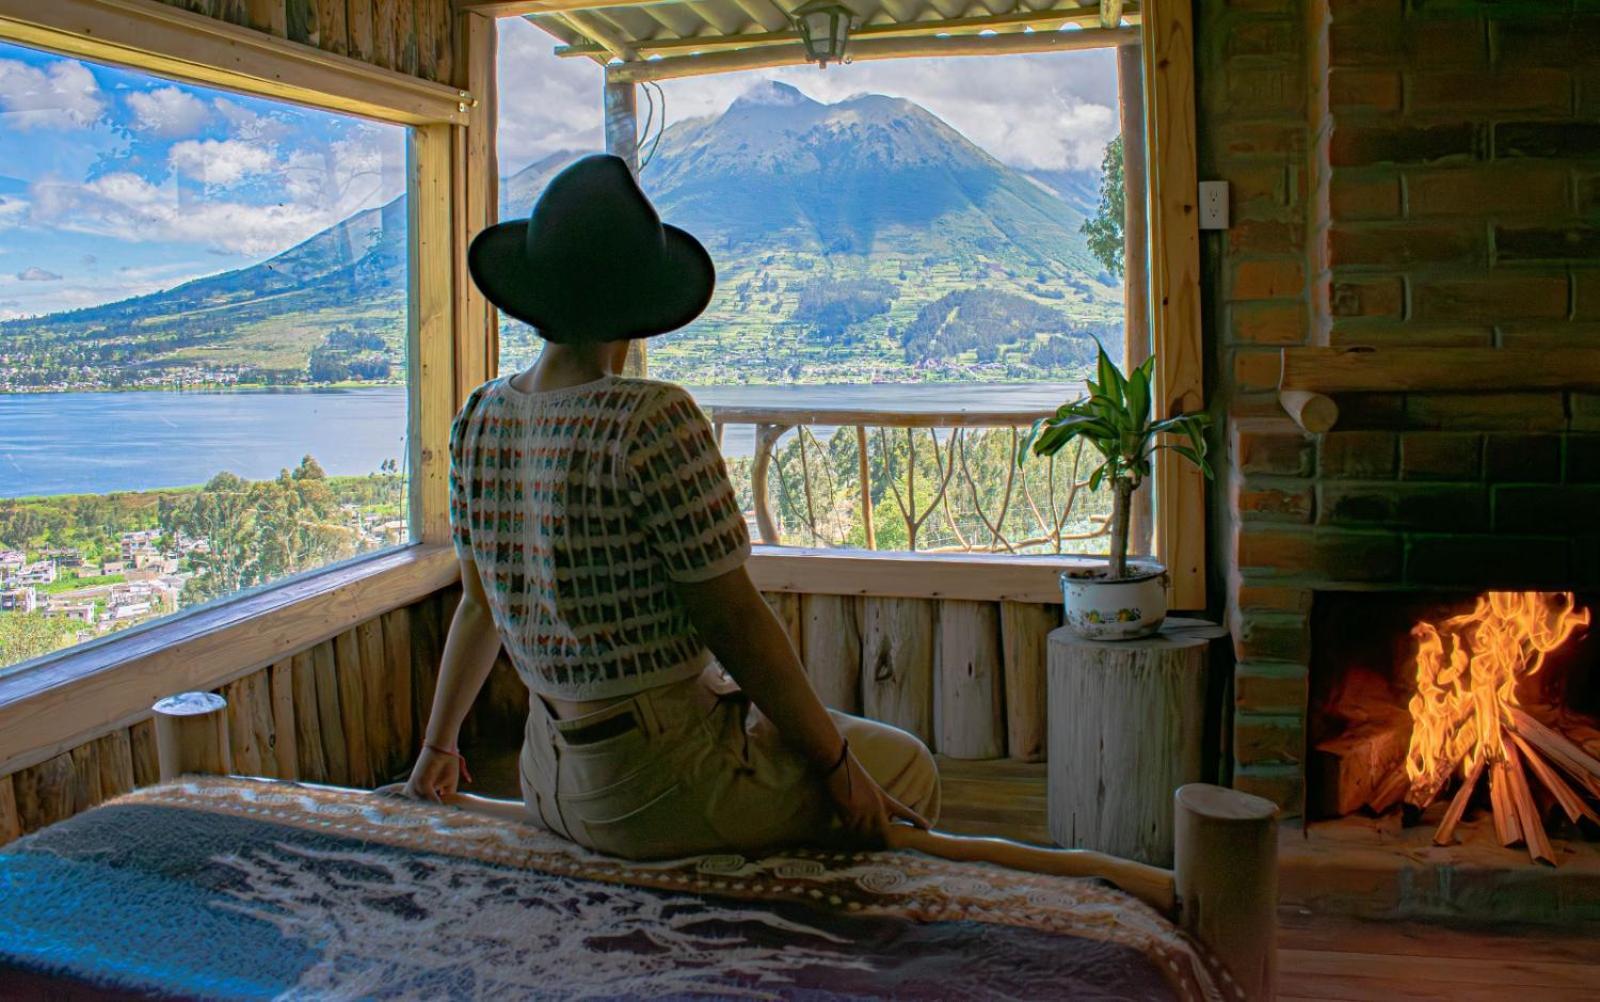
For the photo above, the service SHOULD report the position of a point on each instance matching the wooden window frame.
(83, 692)
(1166, 39)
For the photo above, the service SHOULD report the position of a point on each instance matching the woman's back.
(580, 507)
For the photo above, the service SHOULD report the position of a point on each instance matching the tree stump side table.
(1126, 724)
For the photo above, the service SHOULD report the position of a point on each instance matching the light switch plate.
(1213, 205)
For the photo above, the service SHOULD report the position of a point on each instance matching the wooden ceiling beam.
(1110, 13)
(602, 34)
(793, 54)
(1041, 21)
(530, 8)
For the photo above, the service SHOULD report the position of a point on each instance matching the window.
(203, 321)
(898, 243)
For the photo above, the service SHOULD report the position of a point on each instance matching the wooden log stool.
(192, 735)
(1126, 729)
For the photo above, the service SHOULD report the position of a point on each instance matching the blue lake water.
(72, 443)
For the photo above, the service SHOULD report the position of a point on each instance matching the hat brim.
(649, 297)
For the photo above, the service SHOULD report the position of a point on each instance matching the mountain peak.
(772, 94)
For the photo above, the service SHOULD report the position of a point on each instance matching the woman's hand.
(865, 809)
(434, 777)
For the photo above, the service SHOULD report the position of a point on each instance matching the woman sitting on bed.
(601, 544)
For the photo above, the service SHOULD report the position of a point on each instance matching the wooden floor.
(1318, 958)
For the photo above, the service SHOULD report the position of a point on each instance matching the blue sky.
(116, 183)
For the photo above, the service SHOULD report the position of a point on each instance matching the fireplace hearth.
(1430, 711)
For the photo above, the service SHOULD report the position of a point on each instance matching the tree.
(28, 635)
(1105, 229)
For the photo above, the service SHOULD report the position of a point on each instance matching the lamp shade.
(824, 29)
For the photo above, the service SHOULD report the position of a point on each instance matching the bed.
(221, 887)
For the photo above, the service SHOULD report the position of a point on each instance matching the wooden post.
(767, 436)
(285, 747)
(1226, 871)
(44, 793)
(116, 763)
(831, 641)
(621, 107)
(352, 708)
(897, 659)
(243, 750)
(192, 735)
(971, 702)
(1135, 253)
(1126, 729)
(10, 820)
(309, 762)
(146, 760)
(1024, 631)
(330, 729)
(864, 471)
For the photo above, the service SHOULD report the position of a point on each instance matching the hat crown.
(593, 211)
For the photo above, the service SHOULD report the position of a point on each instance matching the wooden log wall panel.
(267, 16)
(447, 26)
(427, 51)
(116, 763)
(286, 744)
(1024, 629)
(243, 741)
(146, 766)
(301, 21)
(897, 663)
(352, 709)
(10, 822)
(375, 707)
(786, 606)
(970, 705)
(383, 33)
(830, 628)
(405, 36)
(401, 702)
(85, 776)
(44, 792)
(329, 721)
(358, 28)
(310, 762)
(332, 30)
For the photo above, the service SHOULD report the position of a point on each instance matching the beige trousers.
(691, 768)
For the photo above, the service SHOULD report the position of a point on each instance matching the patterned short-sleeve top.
(581, 506)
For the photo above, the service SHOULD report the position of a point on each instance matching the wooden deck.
(1319, 958)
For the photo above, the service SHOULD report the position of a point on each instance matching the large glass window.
(202, 346)
(897, 243)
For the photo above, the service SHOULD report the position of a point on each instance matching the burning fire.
(1468, 668)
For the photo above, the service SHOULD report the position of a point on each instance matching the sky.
(117, 183)
(1049, 111)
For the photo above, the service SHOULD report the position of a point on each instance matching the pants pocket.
(658, 828)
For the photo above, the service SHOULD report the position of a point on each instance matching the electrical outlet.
(1213, 205)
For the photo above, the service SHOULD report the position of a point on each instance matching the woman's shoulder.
(655, 395)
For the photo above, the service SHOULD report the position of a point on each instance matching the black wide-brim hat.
(593, 262)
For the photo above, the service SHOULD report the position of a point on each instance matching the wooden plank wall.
(416, 37)
(348, 711)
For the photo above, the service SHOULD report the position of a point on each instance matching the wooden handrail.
(878, 417)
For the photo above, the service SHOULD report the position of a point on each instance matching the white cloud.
(220, 161)
(546, 104)
(37, 274)
(64, 95)
(168, 112)
(12, 211)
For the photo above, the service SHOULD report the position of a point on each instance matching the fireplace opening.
(1437, 710)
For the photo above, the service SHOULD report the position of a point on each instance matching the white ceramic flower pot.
(1098, 609)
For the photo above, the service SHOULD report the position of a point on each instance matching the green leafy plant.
(1115, 419)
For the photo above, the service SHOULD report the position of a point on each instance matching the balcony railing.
(912, 480)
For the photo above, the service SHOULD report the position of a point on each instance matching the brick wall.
(1404, 172)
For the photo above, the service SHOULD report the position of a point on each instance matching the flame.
(1468, 668)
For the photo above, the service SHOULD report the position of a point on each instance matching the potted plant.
(1124, 599)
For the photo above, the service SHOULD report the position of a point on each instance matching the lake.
(94, 443)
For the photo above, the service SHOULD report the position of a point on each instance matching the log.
(10, 821)
(405, 37)
(86, 777)
(402, 708)
(450, 29)
(1024, 634)
(332, 34)
(1314, 412)
(383, 34)
(192, 735)
(44, 793)
(1571, 803)
(970, 704)
(1528, 819)
(786, 606)
(352, 709)
(830, 636)
(1578, 763)
(1458, 806)
(146, 760)
(381, 750)
(1225, 868)
(427, 45)
(115, 751)
(241, 730)
(1127, 724)
(309, 762)
(897, 638)
(335, 750)
(267, 16)
(285, 740)
(1507, 828)
(1348, 770)
(358, 28)
(1390, 791)
(301, 21)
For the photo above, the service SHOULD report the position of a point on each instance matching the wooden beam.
(620, 102)
(789, 417)
(590, 26)
(875, 48)
(177, 43)
(1135, 258)
(1175, 281)
(1439, 370)
(94, 689)
(475, 191)
(1110, 13)
(978, 576)
(1049, 20)
(430, 352)
(526, 8)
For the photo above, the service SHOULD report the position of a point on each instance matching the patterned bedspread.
(257, 889)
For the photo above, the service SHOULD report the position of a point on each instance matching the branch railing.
(911, 480)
